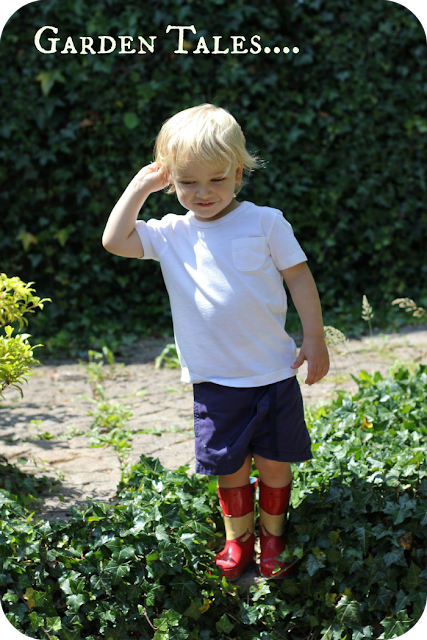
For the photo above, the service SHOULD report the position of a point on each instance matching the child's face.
(205, 191)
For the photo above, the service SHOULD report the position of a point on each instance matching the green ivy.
(342, 125)
(145, 568)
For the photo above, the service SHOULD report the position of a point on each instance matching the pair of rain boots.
(238, 511)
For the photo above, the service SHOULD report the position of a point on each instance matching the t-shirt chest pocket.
(249, 254)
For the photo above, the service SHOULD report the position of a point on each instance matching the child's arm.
(120, 236)
(304, 294)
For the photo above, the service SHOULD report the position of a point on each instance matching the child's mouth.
(205, 204)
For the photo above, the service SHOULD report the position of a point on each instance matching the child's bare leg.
(274, 494)
(238, 479)
(273, 473)
(236, 497)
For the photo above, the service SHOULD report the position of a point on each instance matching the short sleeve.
(153, 238)
(284, 247)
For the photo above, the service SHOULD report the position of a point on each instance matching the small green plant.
(170, 356)
(108, 425)
(96, 370)
(35, 423)
(367, 313)
(16, 354)
(74, 431)
(39, 435)
(16, 299)
(108, 415)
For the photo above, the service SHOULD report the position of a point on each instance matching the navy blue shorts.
(230, 423)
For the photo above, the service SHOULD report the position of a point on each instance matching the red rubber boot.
(238, 511)
(273, 504)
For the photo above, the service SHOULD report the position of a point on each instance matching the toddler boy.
(223, 264)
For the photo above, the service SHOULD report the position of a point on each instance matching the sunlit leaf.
(347, 610)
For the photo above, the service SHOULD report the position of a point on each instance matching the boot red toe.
(238, 511)
(273, 504)
(236, 557)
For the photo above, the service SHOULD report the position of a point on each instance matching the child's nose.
(203, 189)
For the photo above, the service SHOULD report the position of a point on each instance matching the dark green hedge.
(342, 125)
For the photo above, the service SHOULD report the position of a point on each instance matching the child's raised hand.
(315, 351)
(152, 177)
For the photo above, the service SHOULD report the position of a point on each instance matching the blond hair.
(206, 133)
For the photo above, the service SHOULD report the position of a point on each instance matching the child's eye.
(218, 179)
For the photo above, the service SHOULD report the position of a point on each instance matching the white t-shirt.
(226, 293)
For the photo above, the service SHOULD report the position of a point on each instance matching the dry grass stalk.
(367, 313)
(410, 306)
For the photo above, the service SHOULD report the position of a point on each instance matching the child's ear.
(168, 177)
(239, 174)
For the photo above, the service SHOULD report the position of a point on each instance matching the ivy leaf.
(402, 601)
(76, 600)
(162, 626)
(412, 579)
(201, 527)
(118, 632)
(171, 554)
(69, 634)
(101, 582)
(347, 610)
(419, 457)
(418, 600)
(382, 599)
(224, 625)
(188, 540)
(28, 596)
(124, 554)
(362, 535)
(27, 239)
(394, 627)
(173, 617)
(291, 587)
(250, 614)
(184, 586)
(402, 510)
(73, 583)
(100, 509)
(161, 533)
(395, 556)
(152, 557)
(362, 633)
(107, 539)
(154, 592)
(30, 550)
(48, 78)
(152, 464)
(332, 495)
(263, 590)
(313, 564)
(54, 624)
(118, 571)
(195, 609)
(199, 505)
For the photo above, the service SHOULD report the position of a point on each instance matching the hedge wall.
(342, 125)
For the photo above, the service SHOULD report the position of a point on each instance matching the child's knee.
(273, 472)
